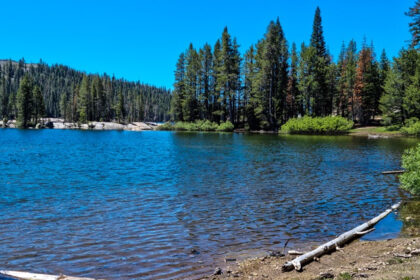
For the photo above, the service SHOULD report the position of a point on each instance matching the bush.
(198, 125)
(410, 180)
(165, 126)
(412, 127)
(225, 126)
(317, 125)
(208, 126)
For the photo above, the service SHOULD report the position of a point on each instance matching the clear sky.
(141, 40)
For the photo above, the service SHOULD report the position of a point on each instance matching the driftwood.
(336, 243)
(293, 252)
(34, 276)
(393, 172)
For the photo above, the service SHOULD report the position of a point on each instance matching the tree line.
(75, 96)
(271, 83)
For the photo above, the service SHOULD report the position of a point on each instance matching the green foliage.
(414, 13)
(344, 276)
(208, 126)
(38, 106)
(317, 125)
(395, 261)
(225, 126)
(410, 179)
(24, 102)
(166, 126)
(199, 125)
(120, 109)
(76, 96)
(412, 127)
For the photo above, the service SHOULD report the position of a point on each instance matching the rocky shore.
(56, 123)
(388, 259)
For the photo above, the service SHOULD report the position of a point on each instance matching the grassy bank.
(198, 126)
(411, 128)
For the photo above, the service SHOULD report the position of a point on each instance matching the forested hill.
(78, 96)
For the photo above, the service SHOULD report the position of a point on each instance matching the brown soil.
(389, 259)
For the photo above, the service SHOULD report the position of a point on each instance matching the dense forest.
(30, 91)
(272, 83)
(269, 84)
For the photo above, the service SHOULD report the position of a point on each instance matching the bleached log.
(393, 172)
(344, 238)
(293, 252)
(35, 276)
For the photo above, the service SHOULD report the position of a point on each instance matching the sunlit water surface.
(164, 205)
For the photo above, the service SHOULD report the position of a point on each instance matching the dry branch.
(332, 245)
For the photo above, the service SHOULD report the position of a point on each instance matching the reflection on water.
(164, 205)
(410, 216)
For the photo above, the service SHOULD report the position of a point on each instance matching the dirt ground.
(389, 259)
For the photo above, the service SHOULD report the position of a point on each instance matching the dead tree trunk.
(335, 244)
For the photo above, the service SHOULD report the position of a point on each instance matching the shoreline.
(397, 258)
(390, 258)
(57, 123)
(371, 132)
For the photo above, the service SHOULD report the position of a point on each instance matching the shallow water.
(163, 205)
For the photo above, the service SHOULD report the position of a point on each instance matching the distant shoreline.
(57, 123)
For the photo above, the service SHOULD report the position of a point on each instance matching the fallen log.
(336, 243)
(35, 276)
(393, 172)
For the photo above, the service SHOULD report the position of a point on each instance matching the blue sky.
(141, 40)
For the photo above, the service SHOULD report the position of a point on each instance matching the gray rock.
(217, 271)
(326, 275)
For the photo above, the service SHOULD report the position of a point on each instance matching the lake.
(164, 205)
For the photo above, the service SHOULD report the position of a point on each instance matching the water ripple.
(162, 205)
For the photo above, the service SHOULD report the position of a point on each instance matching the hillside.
(68, 92)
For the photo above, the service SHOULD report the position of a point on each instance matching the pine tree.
(347, 76)
(293, 107)
(366, 90)
(4, 100)
(306, 80)
(120, 109)
(414, 13)
(322, 98)
(179, 89)
(272, 79)
(411, 99)
(38, 104)
(84, 109)
(228, 75)
(190, 103)
(249, 100)
(24, 102)
(218, 82)
(399, 101)
(206, 65)
(391, 103)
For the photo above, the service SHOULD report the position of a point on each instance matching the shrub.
(165, 126)
(198, 125)
(412, 127)
(208, 126)
(410, 180)
(317, 125)
(183, 126)
(225, 126)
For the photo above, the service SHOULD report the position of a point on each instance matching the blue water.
(164, 205)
